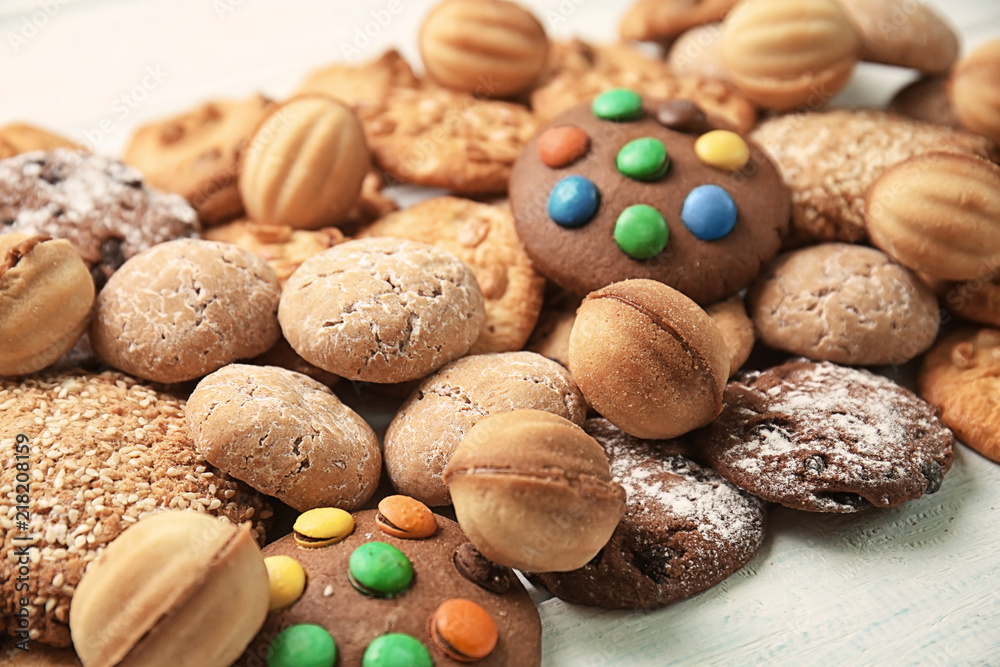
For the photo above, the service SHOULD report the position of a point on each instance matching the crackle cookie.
(363, 84)
(445, 139)
(372, 595)
(103, 451)
(663, 20)
(685, 528)
(829, 159)
(197, 154)
(623, 187)
(483, 237)
(100, 205)
(961, 375)
(17, 138)
(827, 438)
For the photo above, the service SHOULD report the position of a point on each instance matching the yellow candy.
(723, 149)
(322, 526)
(287, 580)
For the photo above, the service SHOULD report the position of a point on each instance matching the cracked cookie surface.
(285, 435)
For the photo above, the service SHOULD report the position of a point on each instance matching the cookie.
(483, 237)
(685, 529)
(903, 33)
(440, 568)
(698, 52)
(503, 61)
(282, 355)
(432, 422)
(662, 21)
(977, 300)
(197, 153)
(38, 655)
(17, 138)
(104, 450)
(844, 303)
(100, 205)
(382, 309)
(737, 329)
(185, 308)
(550, 337)
(926, 100)
(827, 438)
(589, 221)
(972, 90)
(361, 85)
(960, 376)
(286, 435)
(829, 159)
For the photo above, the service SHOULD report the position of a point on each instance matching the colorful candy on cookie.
(625, 187)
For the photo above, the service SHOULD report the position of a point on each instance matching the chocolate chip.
(933, 474)
(53, 173)
(816, 464)
(8, 221)
(112, 255)
(683, 116)
(99, 276)
(655, 562)
(480, 570)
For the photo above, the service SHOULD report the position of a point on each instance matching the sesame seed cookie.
(103, 451)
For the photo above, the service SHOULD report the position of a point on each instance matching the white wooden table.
(917, 585)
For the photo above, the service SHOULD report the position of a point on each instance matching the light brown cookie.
(196, 154)
(483, 237)
(17, 138)
(663, 20)
(432, 422)
(926, 100)
(829, 159)
(698, 52)
(382, 309)
(185, 308)
(285, 435)
(972, 89)
(103, 451)
(961, 376)
(282, 247)
(977, 299)
(362, 84)
(903, 33)
(844, 303)
(446, 139)
(736, 328)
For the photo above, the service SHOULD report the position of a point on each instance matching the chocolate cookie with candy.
(623, 188)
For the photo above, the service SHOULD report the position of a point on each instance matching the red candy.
(562, 146)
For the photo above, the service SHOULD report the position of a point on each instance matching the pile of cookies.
(649, 306)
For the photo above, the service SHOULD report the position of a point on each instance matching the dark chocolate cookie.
(100, 205)
(685, 528)
(354, 619)
(628, 188)
(827, 438)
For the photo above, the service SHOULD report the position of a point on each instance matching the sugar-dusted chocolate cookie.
(622, 187)
(961, 375)
(685, 528)
(827, 438)
(407, 581)
(100, 205)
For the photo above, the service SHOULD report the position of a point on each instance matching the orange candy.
(463, 630)
(562, 146)
(406, 517)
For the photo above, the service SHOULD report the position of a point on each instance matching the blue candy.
(709, 212)
(573, 201)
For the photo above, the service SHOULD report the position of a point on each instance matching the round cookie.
(926, 100)
(382, 309)
(434, 419)
(903, 33)
(185, 308)
(483, 237)
(685, 528)
(827, 438)
(597, 247)
(286, 435)
(104, 450)
(737, 329)
(100, 205)
(977, 300)
(844, 303)
(961, 375)
(354, 620)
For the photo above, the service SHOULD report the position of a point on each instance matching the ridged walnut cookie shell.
(492, 48)
(177, 589)
(938, 213)
(786, 53)
(533, 491)
(974, 90)
(45, 297)
(304, 165)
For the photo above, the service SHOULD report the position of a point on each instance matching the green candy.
(644, 159)
(394, 649)
(641, 232)
(617, 105)
(303, 645)
(380, 570)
